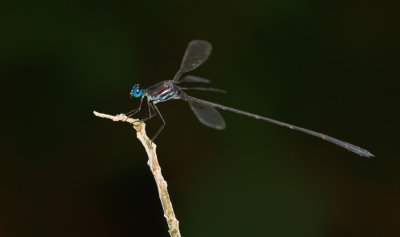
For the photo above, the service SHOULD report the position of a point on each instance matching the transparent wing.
(207, 115)
(196, 54)
(191, 78)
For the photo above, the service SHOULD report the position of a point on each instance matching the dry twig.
(139, 126)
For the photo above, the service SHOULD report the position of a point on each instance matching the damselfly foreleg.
(135, 111)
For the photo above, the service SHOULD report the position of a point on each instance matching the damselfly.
(196, 54)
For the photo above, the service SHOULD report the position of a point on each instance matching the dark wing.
(191, 78)
(207, 115)
(203, 89)
(196, 54)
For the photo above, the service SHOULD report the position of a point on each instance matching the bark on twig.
(139, 126)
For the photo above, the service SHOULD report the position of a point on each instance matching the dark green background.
(331, 66)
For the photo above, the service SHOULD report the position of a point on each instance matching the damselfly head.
(136, 91)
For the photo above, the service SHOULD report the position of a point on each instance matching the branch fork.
(150, 147)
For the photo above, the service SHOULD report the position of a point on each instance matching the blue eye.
(136, 91)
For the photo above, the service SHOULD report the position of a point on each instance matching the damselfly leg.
(150, 113)
(163, 121)
(135, 111)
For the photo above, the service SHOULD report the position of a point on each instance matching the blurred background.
(330, 66)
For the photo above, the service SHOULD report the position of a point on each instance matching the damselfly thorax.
(163, 91)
